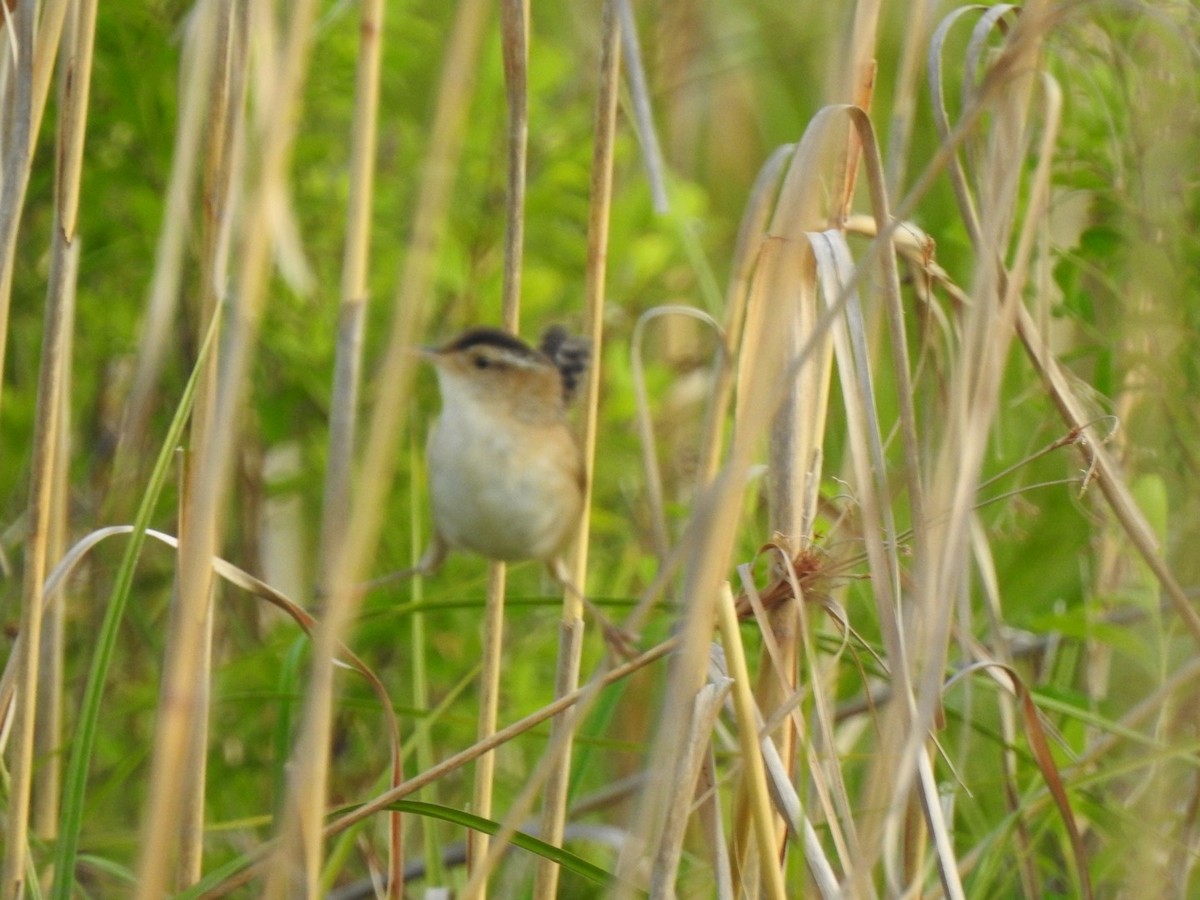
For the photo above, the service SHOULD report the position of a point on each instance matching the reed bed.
(890, 482)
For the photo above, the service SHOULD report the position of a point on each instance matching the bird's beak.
(428, 354)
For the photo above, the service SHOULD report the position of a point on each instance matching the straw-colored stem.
(215, 54)
(60, 303)
(52, 382)
(514, 24)
(751, 233)
(347, 374)
(191, 816)
(489, 706)
(48, 737)
(311, 757)
(553, 817)
(158, 335)
(214, 468)
(753, 771)
(17, 161)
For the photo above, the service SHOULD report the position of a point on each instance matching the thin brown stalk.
(553, 817)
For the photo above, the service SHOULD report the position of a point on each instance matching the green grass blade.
(75, 779)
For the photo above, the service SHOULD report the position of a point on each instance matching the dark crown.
(569, 354)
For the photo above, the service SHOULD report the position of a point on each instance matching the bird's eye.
(482, 362)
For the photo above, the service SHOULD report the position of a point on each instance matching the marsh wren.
(506, 476)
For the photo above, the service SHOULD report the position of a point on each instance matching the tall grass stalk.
(571, 628)
(214, 453)
(53, 384)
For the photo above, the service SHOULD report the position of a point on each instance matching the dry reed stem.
(347, 375)
(48, 431)
(48, 428)
(492, 657)
(18, 118)
(157, 338)
(216, 53)
(514, 21)
(709, 538)
(51, 19)
(754, 778)
(214, 465)
(645, 423)
(752, 230)
(48, 722)
(692, 756)
(554, 804)
(395, 378)
(797, 430)
(195, 770)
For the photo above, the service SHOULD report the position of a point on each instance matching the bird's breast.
(507, 493)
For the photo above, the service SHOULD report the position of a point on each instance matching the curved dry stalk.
(751, 233)
(645, 423)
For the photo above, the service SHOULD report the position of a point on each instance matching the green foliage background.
(731, 82)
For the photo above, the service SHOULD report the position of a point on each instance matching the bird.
(506, 474)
